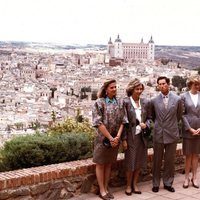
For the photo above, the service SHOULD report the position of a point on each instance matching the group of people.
(127, 120)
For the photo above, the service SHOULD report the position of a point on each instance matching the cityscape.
(55, 57)
(41, 80)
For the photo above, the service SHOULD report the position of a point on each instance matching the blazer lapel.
(170, 101)
(198, 104)
(132, 114)
(143, 113)
(190, 99)
(169, 104)
(197, 108)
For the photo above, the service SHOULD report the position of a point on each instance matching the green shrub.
(71, 125)
(37, 150)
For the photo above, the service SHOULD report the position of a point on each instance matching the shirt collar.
(165, 96)
(108, 100)
(134, 104)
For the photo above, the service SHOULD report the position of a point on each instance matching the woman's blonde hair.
(132, 85)
(102, 92)
(191, 80)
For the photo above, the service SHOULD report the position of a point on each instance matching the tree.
(35, 124)
(165, 61)
(198, 71)
(72, 91)
(19, 125)
(79, 117)
(53, 91)
(94, 95)
(53, 116)
(179, 82)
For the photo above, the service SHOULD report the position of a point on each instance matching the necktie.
(165, 101)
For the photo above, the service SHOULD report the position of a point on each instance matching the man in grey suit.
(166, 111)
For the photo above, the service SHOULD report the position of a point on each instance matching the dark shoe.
(194, 185)
(110, 195)
(104, 197)
(128, 193)
(137, 192)
(186, 185)
(169, 188)
(155, 189)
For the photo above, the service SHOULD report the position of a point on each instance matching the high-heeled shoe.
(104, 197)
(194, 185)
(128, 193)
(110, 195)
(186, 185)
(136, 191)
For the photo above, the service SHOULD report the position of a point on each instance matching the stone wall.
(65, 180)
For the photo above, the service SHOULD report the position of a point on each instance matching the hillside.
(187, 56)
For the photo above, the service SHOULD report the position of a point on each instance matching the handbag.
(146, 131)
(106, 143)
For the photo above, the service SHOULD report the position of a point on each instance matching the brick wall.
(64, 180)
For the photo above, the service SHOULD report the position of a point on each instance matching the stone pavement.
(180, 193)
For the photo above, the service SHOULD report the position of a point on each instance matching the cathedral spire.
(110, 41)
(151, 40)
(118, 39)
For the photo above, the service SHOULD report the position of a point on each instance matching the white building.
(129, 52)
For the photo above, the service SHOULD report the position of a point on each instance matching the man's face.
(163, 86)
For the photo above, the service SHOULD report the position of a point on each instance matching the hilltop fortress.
(119, 52)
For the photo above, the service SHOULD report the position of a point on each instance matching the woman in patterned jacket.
(108, 116)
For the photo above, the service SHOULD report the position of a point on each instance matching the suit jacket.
(166, 120)
(191, 115)
(130, 128)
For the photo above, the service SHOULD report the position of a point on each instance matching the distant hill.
(187, 56)
(37, 45)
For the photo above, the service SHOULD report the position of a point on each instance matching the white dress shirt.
(138, 111)
(194, 98)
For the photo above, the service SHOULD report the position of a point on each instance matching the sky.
(169, 22)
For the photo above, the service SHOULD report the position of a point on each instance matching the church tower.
(118, 48)
(151, 52)
(110, 49)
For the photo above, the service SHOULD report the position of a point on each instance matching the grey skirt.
(191, 146)
(136, 155)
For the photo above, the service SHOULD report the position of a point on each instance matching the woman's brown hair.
(102, 92)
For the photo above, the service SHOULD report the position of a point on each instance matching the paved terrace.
(190, 193)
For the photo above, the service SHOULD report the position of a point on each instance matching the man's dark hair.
(163, 77)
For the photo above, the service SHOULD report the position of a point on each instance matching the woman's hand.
(143, 125)
(193, 131)
(124, 145)
(114, 141)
